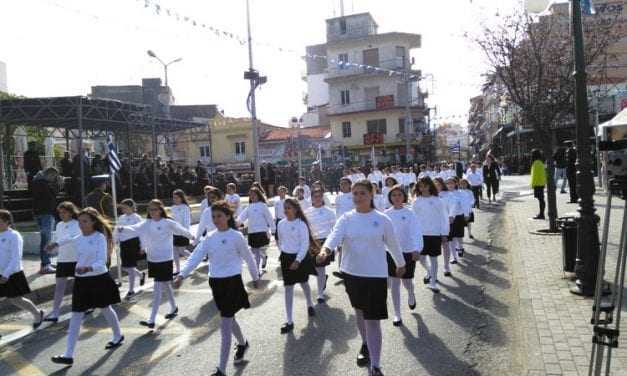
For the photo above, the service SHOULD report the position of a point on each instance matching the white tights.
(289, 300)
(322, 280)
(156, 298)
(27, 305)
(370, 331)
(395, 289)
(431, 268)
(75, 327)
(229, 327)
(132, 273)
(178, 252)
(59, 292)
(258, 253)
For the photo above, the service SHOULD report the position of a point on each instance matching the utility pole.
(255, 80)
(408, 116)
(587, 233)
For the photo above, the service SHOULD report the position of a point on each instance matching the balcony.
(381, 103)
(239, 157)
(338, 69)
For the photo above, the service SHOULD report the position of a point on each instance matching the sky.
(63, 47)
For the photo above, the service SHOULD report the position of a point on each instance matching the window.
(346, 129)
(377, 126)
(204, 151)
(401, 126)
(371, 57)
(343, 28)
(345, 97)
(400, 56)
(341, 60)
(240, 148)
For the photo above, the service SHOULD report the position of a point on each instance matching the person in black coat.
(571, 172)
(32, 163)
(491, 176)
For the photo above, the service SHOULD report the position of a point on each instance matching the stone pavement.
(554, 326)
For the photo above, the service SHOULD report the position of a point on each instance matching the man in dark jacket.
(32, 163)
(45, 187)
(571, 172)
(99, 198)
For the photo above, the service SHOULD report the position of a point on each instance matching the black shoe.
(129, 295)
(41, 320)
(376, 372)
(240, 350)
(363, 358)
(454, 262)
(426, 280)
(397, 323)
(471, 237)
(412, 306)
(62, 360)
(447, 274)
(264, 262)
(89, 311)
(562, 192)
(142, 279)
(218, 373)
(434, 289)
(311, 312)
(172, 314)
(51, 319)
(112, 345)
(147, 324)
(338, 275)
(460, 252)
(321, 301)
(539, 216)
(326, 278)
(286, 328)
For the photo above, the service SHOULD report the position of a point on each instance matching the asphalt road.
(444, 335)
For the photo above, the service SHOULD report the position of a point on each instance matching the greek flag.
(454, 148)
(586, 7)
(114, 161)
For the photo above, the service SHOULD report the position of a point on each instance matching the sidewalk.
(554, 325)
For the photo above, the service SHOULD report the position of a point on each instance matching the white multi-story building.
(3, 77)
(363, 90)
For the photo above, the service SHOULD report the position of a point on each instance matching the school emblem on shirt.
(3, 240)
(403, 218)
(293, 228)
(158, 228)
(375, 224)
(223, 241)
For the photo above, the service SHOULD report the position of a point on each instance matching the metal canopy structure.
(80, 117)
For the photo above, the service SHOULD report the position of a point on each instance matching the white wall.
(3, 77)
(317, 90)
(387, 86)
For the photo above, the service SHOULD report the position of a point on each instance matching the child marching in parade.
(468, 200)
(13, 283)
(66, 261)
(131, 249)
(260, 222)
(295, 240)
(322, 219)
(93, 285)
(158, 232)
(343, 204)
(449, 204)
(226, 248)
(364, 234)
(434, 223)
(409, 236)
(182, 214)
(458, 212)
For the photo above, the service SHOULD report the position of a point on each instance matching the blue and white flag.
(455, 148)
(114, 161)
(586, 7)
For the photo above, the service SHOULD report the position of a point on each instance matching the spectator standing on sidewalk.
(538, 180)
(560, 167)
(45, 187)
(491, 176)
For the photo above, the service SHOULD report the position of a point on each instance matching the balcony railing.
(239, 157)
(336, 109)
(344, 69)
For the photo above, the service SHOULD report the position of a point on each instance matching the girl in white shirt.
(66, 261)
(277, 204)
(131, 250)
(459, 222)
(260, 222)
(409, 235)
(380, 201)
(343, 204)
(182, 214)
(233, 198)
(433, 218)
(366, 235)
(295, 240)
(320, 185)
(93, 285)
(158, 233)
(206, 225)
(204, 204)
(390, 182)
(302, 199)
(226, 248)
(321, 219)
(13, 282)
(450, 203)
(469, 203)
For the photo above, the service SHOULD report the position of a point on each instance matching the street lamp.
(587, 233)
(165, 65)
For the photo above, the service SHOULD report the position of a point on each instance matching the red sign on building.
(385, 101)
(373, 138)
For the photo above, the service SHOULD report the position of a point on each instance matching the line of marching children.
(376, 237)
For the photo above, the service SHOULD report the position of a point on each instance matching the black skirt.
(180, 241)
(538, 192)
(330, 258)
(471, 218)
(65, 269)
(97, 291)
(258, 239)
(410, 266)
(17, 285)
(368, 295)
(457, 227)
(129, 252)
(432, 245)
(229, 294)
(160, 271)
(300, 275)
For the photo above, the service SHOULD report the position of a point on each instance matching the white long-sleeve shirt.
(407, 228)
(456, 200)
(234, 201)
(259, 218)
(157, 236)
(474, 178)
(343, 203)
(225, 250)
(468, 200)
(432, 215)
(204, 204)
(385, 192)
(363, 238)
(11, 247)
(381, 202)
(91, 251)
(128, 220)
(67, 230)
(321, 220)
(449, 203)
(205, 224)
(182, 214)
(293, 238)
(375, 176)
(306, 191)
(304, 204)
(279, 208)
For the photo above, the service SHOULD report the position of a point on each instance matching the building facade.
(4, 86)
(366, 104)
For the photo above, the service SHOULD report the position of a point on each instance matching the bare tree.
(532, 57)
